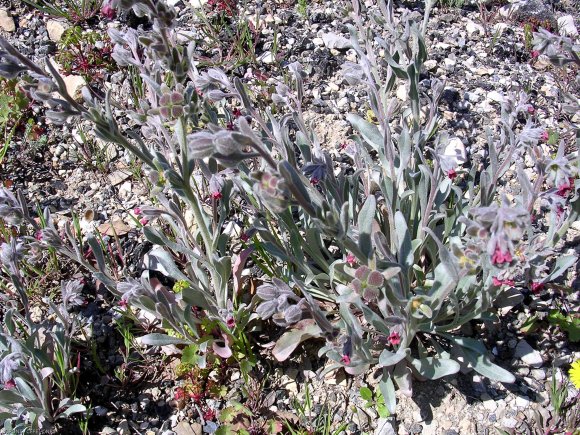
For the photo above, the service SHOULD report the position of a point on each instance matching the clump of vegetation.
(381, 265)
(85, 52)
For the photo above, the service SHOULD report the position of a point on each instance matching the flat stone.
(509, 422)
(185, 428)
(124, 428)
(522, 402)
(495, 96)
(456, 150)
(267, 58)
(118, 177)
(6, 21)
(385, 426)
(528, 355)
(74, 85)
(472, 28)
(566, 26)
(55, 29)
(430, 64)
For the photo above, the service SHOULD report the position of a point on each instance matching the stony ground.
(480, 55)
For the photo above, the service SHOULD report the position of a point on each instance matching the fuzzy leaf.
(387, 359)
(156, 339)
(482, 365)
(74, 409)
(435, 368)
(563, 263)
(369, 132)
(388, 391)
(404, 245)
(290, 340)
(366, 217)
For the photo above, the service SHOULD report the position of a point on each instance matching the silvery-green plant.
(38, 370)
(407, 248)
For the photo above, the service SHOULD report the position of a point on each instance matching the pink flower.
(244, 237)
(38, 235)
(144, 221)
(179, 394)
(499, 282)
(237, 112)
(500, 257)
(230, 322)
(108, 11)
(537, 286)
(137, 211)
(196, 397)
(535, 53)
(123, 303)
(566, 187)
(209, 414)
(531, 109)
(345, 359)
(545, 136)
(9, 384)
(451, 174)
(351, 260)
(216, 195)
(314, 181)
(394, 338)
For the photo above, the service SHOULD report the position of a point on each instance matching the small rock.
(124, 428)
(495, 96)
(430, 64)
(456, 150)
(385, 426)
(268, 58)
(566, 26)
(522, 402)
(108, 431)
(318, 41)
(402, 92)
(528, 355)
(472, 28)
(332, 40)
(74, 84)
(118, 177)
(509, 422)
(184, 428)
(55, 29)
(6, 21)
(100, 410)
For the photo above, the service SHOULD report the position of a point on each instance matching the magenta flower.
(230, 322)
(9, 384)
(499, 282)
(108, 11)
(531, 109)
(351, 260)
(500, 257)
(345, 359)
(536, 287)
(137, 211)
(394, 338)
(452, 174)
(545, 136)
(216, 195)
(565, 187)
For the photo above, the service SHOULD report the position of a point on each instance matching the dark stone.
(537, 13)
